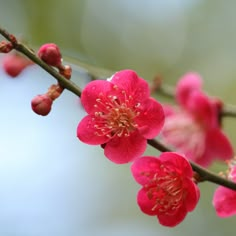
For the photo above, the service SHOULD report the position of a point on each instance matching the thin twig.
(228, 111)
(65, 83)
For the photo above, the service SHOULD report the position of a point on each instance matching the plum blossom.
(168, 190)
(224, 200)
(193, 128)
(121, 116)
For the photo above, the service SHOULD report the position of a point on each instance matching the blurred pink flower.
(224, 199)
(121, 116)
(168, 190)
(14, 63)
(194, 128)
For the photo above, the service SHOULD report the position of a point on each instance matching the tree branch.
(69, 85)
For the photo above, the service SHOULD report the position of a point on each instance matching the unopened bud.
(14, 64)
(41, 104)
(5, 46)
(50, 53)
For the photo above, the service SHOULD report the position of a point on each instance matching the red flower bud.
(50, 53)
(41, 104)
(14, 64)
(5, 47)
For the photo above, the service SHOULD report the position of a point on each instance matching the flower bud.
(14, 64)
(50, 53)
(41, 104)
(5, 47)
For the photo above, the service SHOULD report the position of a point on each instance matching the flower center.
(185, 133)
(167, 191)
(114, 116)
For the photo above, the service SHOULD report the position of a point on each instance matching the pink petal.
(187, 84)
(151, 118)
(192, 194)
(179, 163)
(224, 201)
(233, 174)
(203, 109)
(168, 109)
(125, 149)
(86, 132)
(134, 86)
(92, 91)
(144, 169)
(146, 205)
(206, 159)
(218, 145)
(172, 220)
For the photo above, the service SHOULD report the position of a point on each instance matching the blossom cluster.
(121, 117)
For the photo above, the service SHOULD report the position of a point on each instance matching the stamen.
(113, 117)
(167, 190)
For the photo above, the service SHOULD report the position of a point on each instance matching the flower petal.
(151, 118)
(178, 162)
(92, 91)
(218, 145)
(134, 86)
(125, 149)
(203, 108)
(172, 220)
(192, 194)
(86, 132)
(169, 110)
(144, 169)
(146, 205)
(187, 84)
(224, 201)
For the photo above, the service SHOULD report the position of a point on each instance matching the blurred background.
(52, 184)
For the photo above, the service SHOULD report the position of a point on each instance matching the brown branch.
(69, 85)
(204, 174)
(228, 111)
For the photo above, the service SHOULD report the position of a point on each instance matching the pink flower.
(168, 190)
(194, 128)
(121, 116)
(224, 199)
